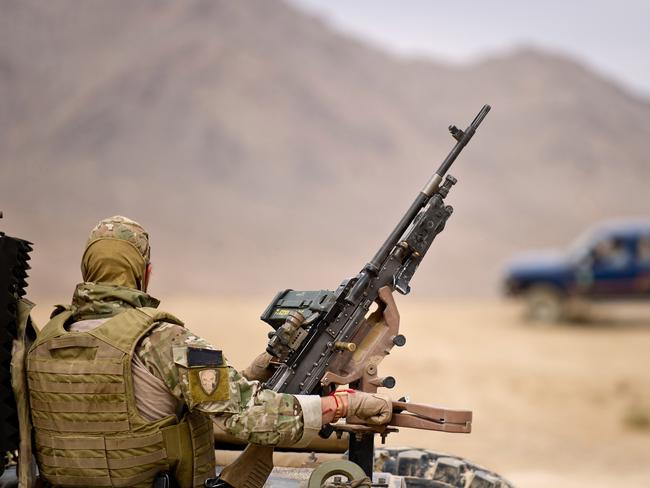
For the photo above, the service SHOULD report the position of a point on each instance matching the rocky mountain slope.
(263, 150)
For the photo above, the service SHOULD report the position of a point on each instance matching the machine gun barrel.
(462, 138)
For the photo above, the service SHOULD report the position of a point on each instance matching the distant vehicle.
(609, 262)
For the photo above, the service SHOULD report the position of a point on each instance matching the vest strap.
(71, 341)
(75, 367)
(78, 407)
(54, 328)
(73, 462)
(92, 442)
(132, 461)
(57, 442)
(115, 444)
(58, 480)
(53, 387)
(69, 426)
(126, 329)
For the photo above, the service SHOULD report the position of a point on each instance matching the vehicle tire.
(423, 468)
(545, 303)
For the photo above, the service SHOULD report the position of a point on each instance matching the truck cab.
(609, 262)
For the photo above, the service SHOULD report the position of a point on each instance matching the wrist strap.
(341, 399)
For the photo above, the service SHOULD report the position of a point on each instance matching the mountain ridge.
(262, 149)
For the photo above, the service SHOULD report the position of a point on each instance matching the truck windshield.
(581, 246)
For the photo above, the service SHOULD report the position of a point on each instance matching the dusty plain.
(563, 405)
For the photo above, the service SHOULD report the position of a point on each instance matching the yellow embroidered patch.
(209, 384)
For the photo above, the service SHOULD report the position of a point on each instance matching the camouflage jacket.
(241, 408)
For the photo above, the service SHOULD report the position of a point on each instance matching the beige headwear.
(117, 252)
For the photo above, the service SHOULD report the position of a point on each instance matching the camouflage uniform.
(249, 413)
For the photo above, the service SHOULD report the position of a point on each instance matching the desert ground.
(564, 405)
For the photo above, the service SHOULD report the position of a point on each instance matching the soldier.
(121, 392)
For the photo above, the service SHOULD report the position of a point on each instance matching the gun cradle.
(374, 340)
(376, 337)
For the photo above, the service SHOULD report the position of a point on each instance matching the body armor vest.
(87, 428)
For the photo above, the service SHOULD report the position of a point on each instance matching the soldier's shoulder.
(162, 336)
(165, 336)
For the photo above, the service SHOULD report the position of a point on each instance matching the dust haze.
(264, 150)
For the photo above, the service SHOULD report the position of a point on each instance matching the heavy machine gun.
(327, 348)
(322, 338)
(333, 321)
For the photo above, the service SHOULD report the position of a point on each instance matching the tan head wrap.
(117, 252)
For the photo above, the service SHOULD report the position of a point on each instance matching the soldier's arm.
(241, 407)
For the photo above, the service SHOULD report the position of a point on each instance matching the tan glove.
(259, 369)
(361, 407)
(372, 408)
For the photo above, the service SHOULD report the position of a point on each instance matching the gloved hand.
(259, 369)
(371, 408)
(358, 407)
(288, 336)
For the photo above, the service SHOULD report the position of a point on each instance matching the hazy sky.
(612, 36)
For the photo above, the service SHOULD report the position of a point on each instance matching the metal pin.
(345, 346)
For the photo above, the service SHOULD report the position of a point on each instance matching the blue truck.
(609, 262)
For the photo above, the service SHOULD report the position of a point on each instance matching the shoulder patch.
(200, 357)
(204, 373)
